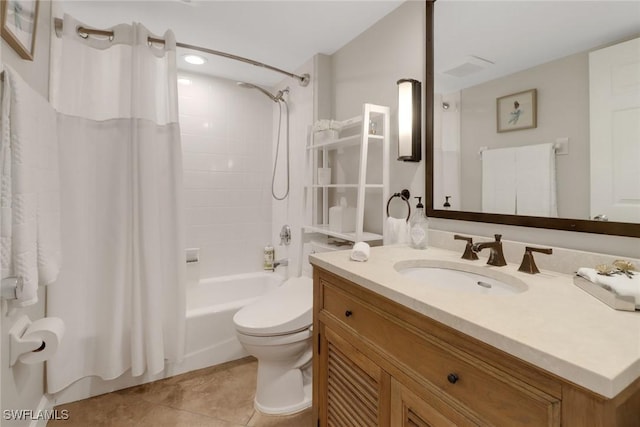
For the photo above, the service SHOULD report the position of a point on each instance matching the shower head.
(274, 98)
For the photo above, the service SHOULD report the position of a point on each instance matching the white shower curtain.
(121, 288)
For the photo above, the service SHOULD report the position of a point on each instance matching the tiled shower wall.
(226, 143)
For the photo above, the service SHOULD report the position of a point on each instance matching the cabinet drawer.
(491, 393)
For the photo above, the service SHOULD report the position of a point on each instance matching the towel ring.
(404, 195)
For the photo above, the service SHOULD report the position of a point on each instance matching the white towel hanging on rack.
(30, 203)
(499, 181)
(536, 180)
(519, 180)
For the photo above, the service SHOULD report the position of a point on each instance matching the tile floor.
(220, 396)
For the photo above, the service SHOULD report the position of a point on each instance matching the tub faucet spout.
(496, 256)
(283, 262)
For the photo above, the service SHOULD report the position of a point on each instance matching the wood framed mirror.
(490, 76)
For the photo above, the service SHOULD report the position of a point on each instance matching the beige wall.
(367, 70)
(35, 72)
(563, 111)
(23, 386)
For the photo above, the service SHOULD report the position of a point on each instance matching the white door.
(614, 74)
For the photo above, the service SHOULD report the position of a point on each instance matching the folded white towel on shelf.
(619, 283)
(360, 251)
(29, 195)
(396, 230)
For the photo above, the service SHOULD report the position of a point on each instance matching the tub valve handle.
(285, 235)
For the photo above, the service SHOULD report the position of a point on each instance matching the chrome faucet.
(496, 256)
(285, 235)
(283, 262)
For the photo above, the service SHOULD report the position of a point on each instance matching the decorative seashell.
(624, 265)
(605, 269)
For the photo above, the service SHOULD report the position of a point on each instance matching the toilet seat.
(283, 311)
(276, 340)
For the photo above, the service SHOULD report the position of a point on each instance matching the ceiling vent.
(469, 65)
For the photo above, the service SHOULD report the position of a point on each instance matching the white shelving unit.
(355, 132)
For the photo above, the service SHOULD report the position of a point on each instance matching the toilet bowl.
(276, 330)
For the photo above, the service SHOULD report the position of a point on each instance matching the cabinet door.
(410, 410)
(356, 392)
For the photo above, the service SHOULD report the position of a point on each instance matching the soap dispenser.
(419, 227)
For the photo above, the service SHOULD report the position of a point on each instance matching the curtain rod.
(84, 32)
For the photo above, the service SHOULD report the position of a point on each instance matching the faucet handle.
(497, 237)
(528, 264)
(468, 251)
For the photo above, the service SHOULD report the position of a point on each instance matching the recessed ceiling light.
(195, 59)
(184, 81)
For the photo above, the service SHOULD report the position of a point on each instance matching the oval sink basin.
(460, 277)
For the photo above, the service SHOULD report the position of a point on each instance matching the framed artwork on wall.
(19, 22)
(517, 111)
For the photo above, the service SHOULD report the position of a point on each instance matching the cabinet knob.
(453, 378)
(348, 313)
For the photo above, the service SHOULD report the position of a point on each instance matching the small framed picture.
(19, 21)
(517, 111)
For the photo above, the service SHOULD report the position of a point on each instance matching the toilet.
(276, 330)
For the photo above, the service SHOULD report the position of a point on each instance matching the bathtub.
(211, 305)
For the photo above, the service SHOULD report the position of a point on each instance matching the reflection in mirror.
(536, 121)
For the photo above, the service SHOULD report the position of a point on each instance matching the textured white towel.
(536, 180)
(360, 251)
(499, 181)
(29, 192)
(520, 180)
(396, 230)
(620, 283)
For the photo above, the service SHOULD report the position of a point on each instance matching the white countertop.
(554, 324)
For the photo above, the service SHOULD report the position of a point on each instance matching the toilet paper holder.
(20, 345)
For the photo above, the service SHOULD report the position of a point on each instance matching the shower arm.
(84, 32)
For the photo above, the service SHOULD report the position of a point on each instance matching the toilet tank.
(313, 247)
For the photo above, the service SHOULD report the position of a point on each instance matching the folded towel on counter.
(619, 283)
(360, 251)
(396, 230)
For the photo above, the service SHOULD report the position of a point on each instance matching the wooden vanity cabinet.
(379, 364)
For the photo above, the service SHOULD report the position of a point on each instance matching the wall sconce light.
(409, 120)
